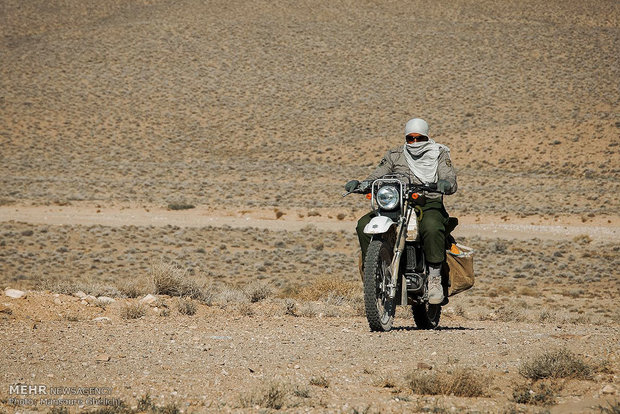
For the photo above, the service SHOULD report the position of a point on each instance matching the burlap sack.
(460, 270)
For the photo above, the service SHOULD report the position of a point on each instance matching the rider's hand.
(444, 186)
(364, 186)
(351, 186)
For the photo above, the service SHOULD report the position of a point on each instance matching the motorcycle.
(394, 270)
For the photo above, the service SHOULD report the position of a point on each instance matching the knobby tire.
(378, 257)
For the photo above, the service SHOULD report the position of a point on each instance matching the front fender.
(379, 225)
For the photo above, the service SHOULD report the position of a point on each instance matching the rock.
(149, 299)
(57, 301)
(102, 358)
(89, 298)
(101, 319)
(105, 300)
(15, 294)
(80, 294)
(608, 389)
(5, 309)
(422, 365)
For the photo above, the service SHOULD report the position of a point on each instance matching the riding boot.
(435, 290)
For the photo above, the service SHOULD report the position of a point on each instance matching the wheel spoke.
(377, 280)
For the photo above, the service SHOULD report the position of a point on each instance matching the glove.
(364, 186)
(351, 186)
(444, 186)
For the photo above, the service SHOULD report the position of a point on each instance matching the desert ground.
(173, 235)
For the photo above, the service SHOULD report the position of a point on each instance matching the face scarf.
(423, 159)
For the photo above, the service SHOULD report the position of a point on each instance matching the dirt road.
(483, 226)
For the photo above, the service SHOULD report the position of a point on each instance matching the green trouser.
(434, 227)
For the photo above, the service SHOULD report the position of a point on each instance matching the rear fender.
(379, 225)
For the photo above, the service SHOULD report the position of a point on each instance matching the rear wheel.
(426, 316)
(379, 307)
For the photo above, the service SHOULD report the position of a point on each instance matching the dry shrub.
(459, 310)
(510, 315)
(230, 295)
(301, 392)
(547, 316)
(424, 383)
(133, 310)
(556, 364)
(290, 307)
(180, 206)
(319, 381)
(573, 293)
(308, 309)
(540, 393)
(66, 287)
(385, 382)
(461, 383)
(271, 396)
(582, 239)
(245, 309)
(258, 291)
(186, 307)
(528, 291)
(57, 286)
(611, 408)
(327, 287)
(135, 289)
(169, 279)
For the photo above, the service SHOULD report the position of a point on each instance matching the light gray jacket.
(394, 162)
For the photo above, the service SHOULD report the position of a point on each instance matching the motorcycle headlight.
(388, 197)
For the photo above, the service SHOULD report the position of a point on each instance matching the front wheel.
(426, 316)
(380, 308)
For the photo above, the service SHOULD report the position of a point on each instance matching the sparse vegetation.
(258, 291)
(245, 309)
(169, 279)
(556, 364)
(329, 287)
(133, 289)
(386, 381)
(180, 206)
(610, 408)
(270, 396)
(186, 307)
(290, 307)
(230, 295)
(319, 381)
(301, 392)
(582, 239)
(133, 310)
(462, 383)
(537, 393)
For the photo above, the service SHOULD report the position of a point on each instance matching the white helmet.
(416, 125)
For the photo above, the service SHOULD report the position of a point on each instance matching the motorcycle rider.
(424, 161)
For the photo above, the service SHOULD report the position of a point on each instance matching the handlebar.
(357, 192)
(430, 188)
(411, 188)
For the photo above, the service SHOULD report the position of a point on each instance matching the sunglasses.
(419, 138)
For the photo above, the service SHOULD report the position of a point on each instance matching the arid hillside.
(249, 104)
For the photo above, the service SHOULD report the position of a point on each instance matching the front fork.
(399, 247)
